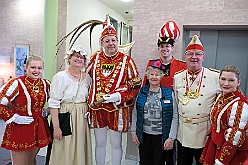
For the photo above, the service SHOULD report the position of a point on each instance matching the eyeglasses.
(191, 54)
(108, 41)
(79, 56)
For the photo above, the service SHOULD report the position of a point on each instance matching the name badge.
(166, 101)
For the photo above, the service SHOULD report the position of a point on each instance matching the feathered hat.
(195, 44)
(108, 28)
(168, 33)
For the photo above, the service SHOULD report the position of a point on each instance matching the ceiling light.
(126, 0)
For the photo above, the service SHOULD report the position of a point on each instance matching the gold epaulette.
(179, 71)
(214, 70)
(154, 59)
(97, 51)
(181, 60)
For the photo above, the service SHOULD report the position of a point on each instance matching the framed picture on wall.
(21, 52)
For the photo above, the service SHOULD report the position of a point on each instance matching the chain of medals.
(34, 85)
(99, 82)
(192, 93)
(34, 90)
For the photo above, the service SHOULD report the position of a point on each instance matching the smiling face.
(110, 44)
(34, 69)
(165, 50)
(194, 59)
(154, 75)
(229, 82)
(76, 59)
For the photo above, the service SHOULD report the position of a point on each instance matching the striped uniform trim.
(27, 96)
(94, 78)
(122, 71)
(238, 122)
(134, 69)
(8, 92)
(45, 88)
(222, 112)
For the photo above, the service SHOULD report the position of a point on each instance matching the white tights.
(116, 146)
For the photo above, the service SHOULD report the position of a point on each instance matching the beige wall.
(23, 25)
(18, 26)
(149, 16)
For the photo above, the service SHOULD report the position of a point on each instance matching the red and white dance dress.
(27, 98)
(227, 142)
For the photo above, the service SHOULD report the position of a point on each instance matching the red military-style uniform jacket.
(110, 75)
(170, 69)
(227, 140)
(27, 98)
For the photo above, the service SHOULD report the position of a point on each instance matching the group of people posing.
(199, 110)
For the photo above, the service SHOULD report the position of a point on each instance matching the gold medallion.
(185, 100)
(99, 96)
(36, 89)
(193, 94)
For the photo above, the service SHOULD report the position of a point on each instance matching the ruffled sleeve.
(236, 133)
(57, 88)
(8, 93)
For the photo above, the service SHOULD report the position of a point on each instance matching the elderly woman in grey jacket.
(154, 119)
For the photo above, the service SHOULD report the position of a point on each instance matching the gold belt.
(194, 120)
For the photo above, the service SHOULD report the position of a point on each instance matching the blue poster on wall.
(21, 53)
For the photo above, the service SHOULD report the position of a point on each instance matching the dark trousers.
(151, 151)
(49, 147)
(186, 155)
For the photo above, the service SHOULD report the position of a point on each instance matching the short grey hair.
(150, 68)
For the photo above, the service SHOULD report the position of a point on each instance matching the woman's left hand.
(168, 144)
(135, 138)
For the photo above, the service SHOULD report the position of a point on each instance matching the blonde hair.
(233, 69)
(34, 58)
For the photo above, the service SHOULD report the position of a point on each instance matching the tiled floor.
(108, 149)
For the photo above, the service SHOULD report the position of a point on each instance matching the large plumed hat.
(168, 33)
(108, 28)
(195, 44)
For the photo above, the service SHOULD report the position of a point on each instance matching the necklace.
(74, 75)
(33, 85)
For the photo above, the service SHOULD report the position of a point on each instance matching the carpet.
(5, 158)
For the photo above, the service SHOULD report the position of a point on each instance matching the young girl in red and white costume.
(27, 130)
(228, 143)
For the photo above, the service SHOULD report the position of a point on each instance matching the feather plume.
(76, 32)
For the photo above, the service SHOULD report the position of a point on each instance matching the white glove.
(217, 162)
(22, 119)
(112, 98)
(87, 116)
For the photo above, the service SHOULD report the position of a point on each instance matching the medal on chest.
(36, 89)
(105, 77)
(107, 69)
(34, 85)
(193, 88)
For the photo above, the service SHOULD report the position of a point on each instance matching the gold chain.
(74, 75)
(34, 85)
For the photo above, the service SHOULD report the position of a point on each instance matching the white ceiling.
(125, 9)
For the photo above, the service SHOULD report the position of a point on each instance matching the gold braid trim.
(225, 152)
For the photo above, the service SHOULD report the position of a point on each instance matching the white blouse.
(64, 90)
